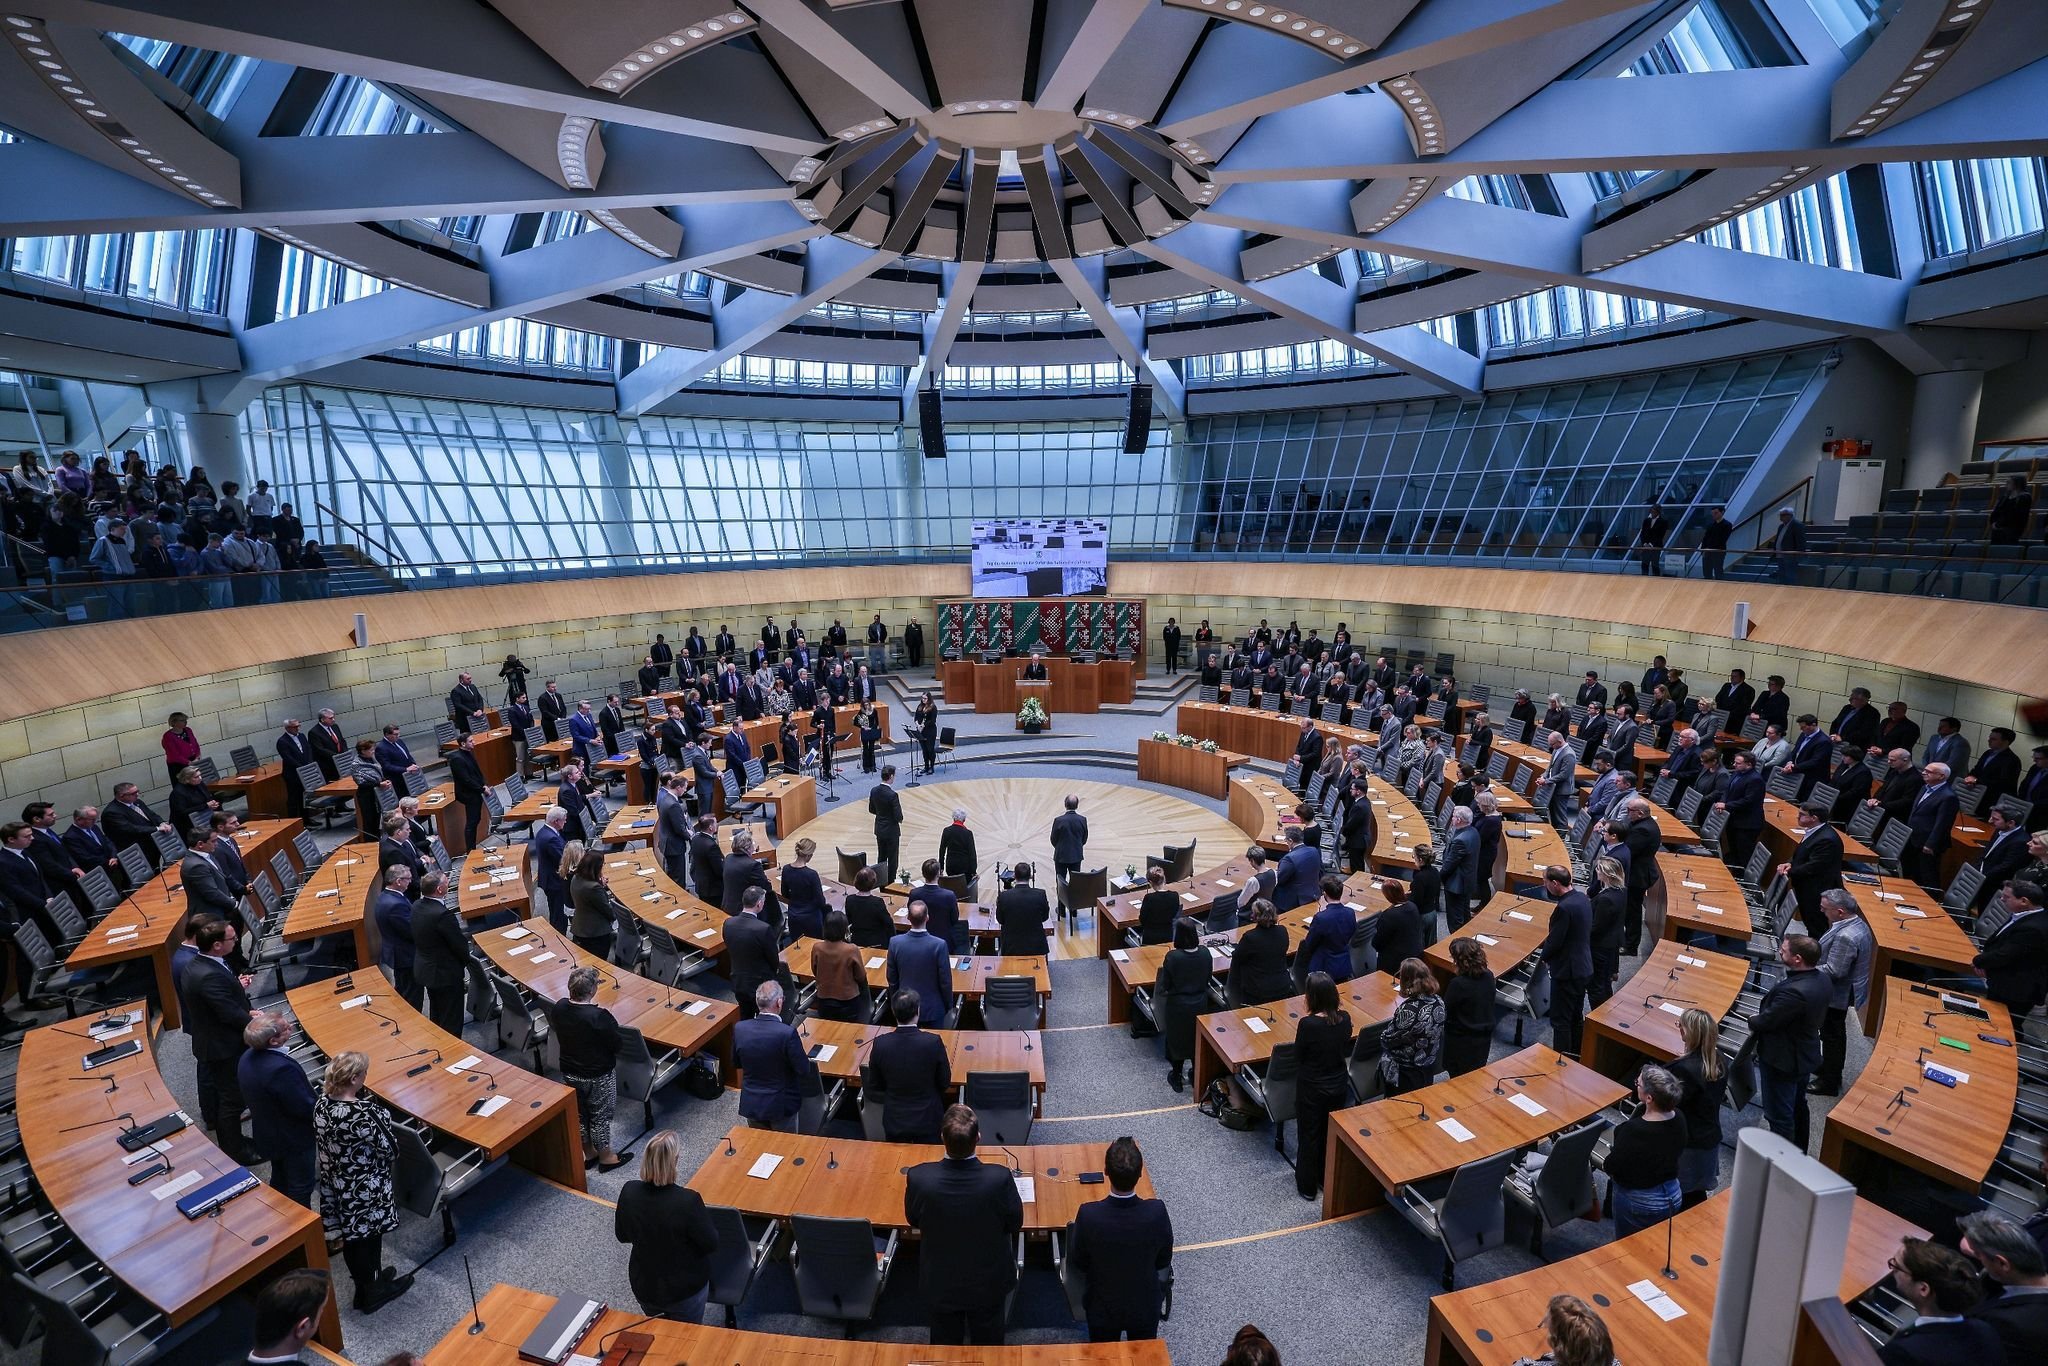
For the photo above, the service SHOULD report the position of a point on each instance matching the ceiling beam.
(1124, 330)
(816, 34)
(1109, 22)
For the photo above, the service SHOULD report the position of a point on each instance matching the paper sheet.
(543, 957)
(523, 948)
(1119, 956)
(517, 932)
(492, 1106)
(1256, 1025)
(1455, 1130)
(1486, 939)
(352, 1002)
(826, 1052)
(1670, 1008)
(464, 1065)
(696, 1007)
(184, 1181)
(703, 934)
(1526, 1105)
(765, 1165)
(874, 963)
(1518, 915)
(1027, 1188)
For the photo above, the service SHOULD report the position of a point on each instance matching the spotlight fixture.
(1287, 22)
(1950, 25)
(636, 66)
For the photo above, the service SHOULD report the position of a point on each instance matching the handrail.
(392, 556)
(1771, 505)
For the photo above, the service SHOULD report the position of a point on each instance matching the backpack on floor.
(1216, 1104)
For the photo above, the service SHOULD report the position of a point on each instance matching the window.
(1504, 190)
(307, 283)
(525, 343)
(1567, 311)
(1813, 224)
(1969, 205)
(782, 372)
(213, 79)
(181, 270)
(1036, 379)
(1609, 183)
(559, 224)
(1845, 20)
(353, 107)
(1308, 360)
(1701, 41)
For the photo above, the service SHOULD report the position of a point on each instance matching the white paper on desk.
(826, 1051)
(578, 1359)
(465, 1064)
(1696, 886)
(643, 872)
(620, 863)
(523, 948)
(1658, 1303)
(1525, 1105)
(1455, 1130)
(703, 934)
(1913, 911)
(1119, 956)
(874, 963)
(346, 862)
(543, 957)
(1949, 1000)
(1354, 908)
(483, 886)
(1890, 896)
(1189, 896)
(1486, 939)
(123, 936)
(1667, 1006)
(352, 1002)
(1692, 962)
(492, 1106)
(696, 1007)
(183, 1182)
(143, 1155)
(106, 1035)
(765, 1165)
(1256, 1025)
(331, 891)
(1027, 1189)
(678, 911)
(1705, 909)
(517, 932)
(1224, 882)
(1519, 915)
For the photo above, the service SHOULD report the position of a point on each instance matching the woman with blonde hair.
(670, 1232)
(1414, 1037)
(357, 1149)
(1702, 1081)
(803, 894)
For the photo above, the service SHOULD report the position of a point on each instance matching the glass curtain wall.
(1562, 471)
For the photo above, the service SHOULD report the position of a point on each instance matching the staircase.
(1762, 568)
(351, 573)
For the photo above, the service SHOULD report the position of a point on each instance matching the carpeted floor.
(1249, 1249)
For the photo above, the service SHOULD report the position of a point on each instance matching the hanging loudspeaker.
(931, 423)
(1138, 424)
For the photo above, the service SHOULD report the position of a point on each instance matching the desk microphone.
(1500, 1082)
(730, 1151)
(1899, 1101)
(831, 1160)
(379, 1015)
(1669, 1000)
(94, 1124)
(1670, 1272)
(475, 1311)
(1016, 1168)
(1421, 1108)
(1271, 1018)
(489, 1077)
(423, 1067)
(113, 1083)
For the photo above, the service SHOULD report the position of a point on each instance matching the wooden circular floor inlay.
(1012, 819)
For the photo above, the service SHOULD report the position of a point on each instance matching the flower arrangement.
(1032, 715)
(1208, 747)
(1184, 741)
(1162, 736)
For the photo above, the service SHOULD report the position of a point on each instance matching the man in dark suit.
(130, 820)
(942, 907)
(1815, 867)
(440, 953)
(1592, 690)
(1812, 755)
(1851, 780)
(2004, 855)
(1932, 822)
(742, 871)
(673, 827)
(216, 1009)
(1787, 1031)
(611, 720)
(1462, 876)
(1857, 722)
(394, 923)
(724, 643)
(772, 1064)
(1568, 948)
(1308, 753)
(1121, 1246)
(1069, 847)
(1300, 872)
(756, 952)
(649, 676)
(1643, 841)
(672, 735)
(24, 894)
(548, 846)
(1021, 912)
(922, 962)
(1035, 670)
(707, 861)
(1948, 746)
(329, 744)
(1743, 800)
(969, 1215)
(89, 846)
(2014, 960)
(280, 1102)
(293, 751)
(582, 733)
(396, 846)
(1900, 788)
(1735, 698)
(1942, 1285)
(394, 758)
(468, 777)
(912, 1072)
(206, 882)
(466, 703)
(1621, 736)
(1360, 830)
(2033, 789)
(2012, 1262)
(1997, 769)
(956, 852)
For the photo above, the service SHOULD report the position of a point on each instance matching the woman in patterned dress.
(357, 1149)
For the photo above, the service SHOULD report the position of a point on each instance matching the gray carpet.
(1250, 1249)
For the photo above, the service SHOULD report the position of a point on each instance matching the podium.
(1039, 688)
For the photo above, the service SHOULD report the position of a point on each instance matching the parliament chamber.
(1024, 681)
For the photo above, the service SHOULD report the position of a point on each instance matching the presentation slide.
(1041, 558)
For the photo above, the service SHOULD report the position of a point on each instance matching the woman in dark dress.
(1426, 890)
(1557, 716)
(1258, 968)
(1322, 1047)
(928, 730)
(1487, 821)
(1397, 935)
(1610, 911)
(357, 1152)
(1468, 1009)
(1702, 1081)
(1156, 913)
(869, 724)
(803, 894)
(792, 747)
(867, 915)
(671, 1234)
(1522, 717)
(1183, 989)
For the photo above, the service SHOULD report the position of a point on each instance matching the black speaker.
(931, 423)
(1138, 423)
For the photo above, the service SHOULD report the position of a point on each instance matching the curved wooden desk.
(640, 884)
(263, 787)
(540, 959)
(509, 1314)
(1782, 835)
(1270, 735)
(1929, 939)
(181, 1266)
(632, 824)
(842, 1048)
(1510, 929)
(536, 1126)
(1700, 895)
(336, 898)
(1502, 1321)
(1226, 1040)
(1378, 1147)
(868, 1180)
(971, 972)
(1640, 1021)
(1188, 767)
(495, 756)
(1896, 1114)
(151, 921)
(1134, 970)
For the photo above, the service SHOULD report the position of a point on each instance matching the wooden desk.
(181, 1266)
(633, 824)
(1270, 735)
(794, 797)
(537, 1125)
(1227, 1040)
(1952, 1134)
(336, 898)
(628, 767)
(1930, 939)
(967, 1050)
(540, 959)
(151, 922)
(1501, 1321)
(1968, 838)
(641, 885)
(1530, 847)
(1511, 929)
(1379, 1147)
(1187, 767)
(1263, 809)
(971, 972)
(494, 752)
(490, 883)
(869, 1181)
(1135, 970)
(449, 818)
(1700, 895)
(1640, 1021)
(510, 1314)
(956, 678)
(1782, 835)
(263, 787)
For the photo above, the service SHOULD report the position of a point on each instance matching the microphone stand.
(1016, 1167)
(1501, 1082)
(1421, 1111)
(475, 1310)
(1670, 1272)
(1669, 1000)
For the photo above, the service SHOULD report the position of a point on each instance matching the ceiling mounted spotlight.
(659, 52)
(1950, 25)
